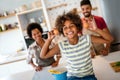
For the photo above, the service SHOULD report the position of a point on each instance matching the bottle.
(32, 20)
(40, 19)
(0, 29)
(5, 13)
(3, 27)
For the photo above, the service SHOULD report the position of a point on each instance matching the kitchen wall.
(54, 12)
(111, 13)
(10, 42)
(108, 9)
(9, 5)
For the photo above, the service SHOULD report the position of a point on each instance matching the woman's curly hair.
(33, 26)
(71, 16)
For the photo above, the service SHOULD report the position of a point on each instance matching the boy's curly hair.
(71, 16)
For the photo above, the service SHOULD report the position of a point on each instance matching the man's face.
(86, 10)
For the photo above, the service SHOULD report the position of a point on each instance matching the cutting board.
(115, 66)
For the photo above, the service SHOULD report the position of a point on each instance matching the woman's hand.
(55, 64)
(38, 68)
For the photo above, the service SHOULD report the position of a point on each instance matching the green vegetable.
(117, 63)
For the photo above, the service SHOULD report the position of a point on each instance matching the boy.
(75, 48)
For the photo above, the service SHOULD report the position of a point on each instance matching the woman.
(35, 31)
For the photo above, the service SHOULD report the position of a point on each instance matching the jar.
(3, 27)
(36, 4)
(23, 8)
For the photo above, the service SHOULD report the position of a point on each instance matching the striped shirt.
(78, 56)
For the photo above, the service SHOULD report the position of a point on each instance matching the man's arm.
(105, 34)
(105, 37)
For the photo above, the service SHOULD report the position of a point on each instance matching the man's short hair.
(85, 2)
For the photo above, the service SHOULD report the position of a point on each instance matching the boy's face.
(86, 10)
(70, 30)
(36, 34)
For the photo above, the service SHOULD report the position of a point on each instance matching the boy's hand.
(85, 24)
(92, 25)
(51, 35)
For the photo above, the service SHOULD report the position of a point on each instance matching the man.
(89, 21)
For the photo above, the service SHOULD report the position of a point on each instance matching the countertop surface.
(101, 66)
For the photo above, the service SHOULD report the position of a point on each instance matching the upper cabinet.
(30, 16)
(23, 13)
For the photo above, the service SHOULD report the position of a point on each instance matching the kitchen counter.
(102, 69)
(14, 57)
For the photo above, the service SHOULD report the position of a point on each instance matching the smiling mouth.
(70, 33)
(86, 14)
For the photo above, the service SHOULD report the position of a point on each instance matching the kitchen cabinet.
(29, 16)
(26, 17)
(23, 18)
(27, 13)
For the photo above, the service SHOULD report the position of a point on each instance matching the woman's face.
(36, 34)
(70, 30)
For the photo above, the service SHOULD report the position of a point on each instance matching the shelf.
(20, 13)
(4, 17)
(8, 30)
(29, 11)
(57, 6)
